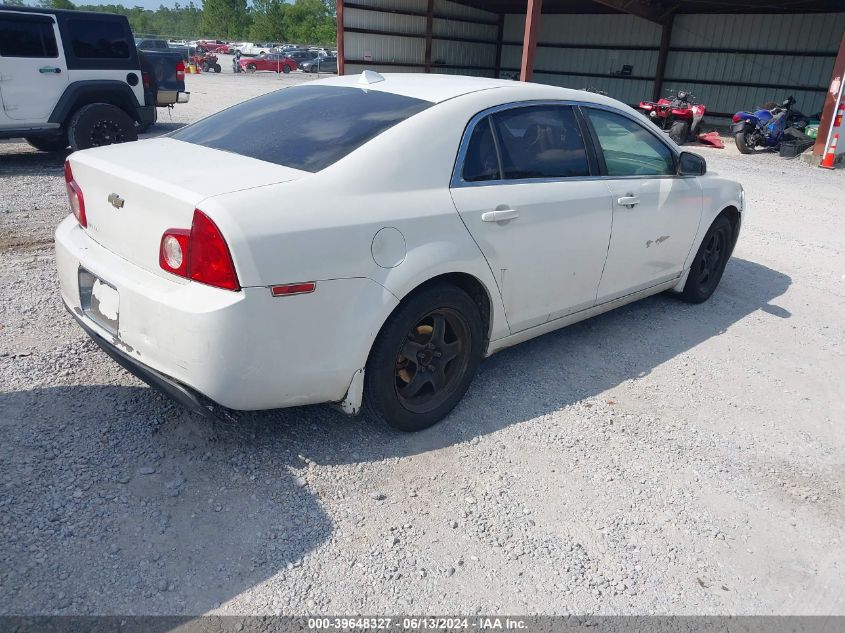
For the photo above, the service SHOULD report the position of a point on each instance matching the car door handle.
(500, 215)
(629, 201)
(49, 69)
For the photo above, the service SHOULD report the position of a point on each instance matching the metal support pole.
(341, 62)
(831, 101)
(429, 19)
(662, 57)
(529, 41)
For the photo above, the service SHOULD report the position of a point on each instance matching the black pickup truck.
(76, 78)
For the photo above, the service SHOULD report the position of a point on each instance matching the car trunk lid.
(134, 192)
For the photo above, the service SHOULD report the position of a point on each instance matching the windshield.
(307, 127)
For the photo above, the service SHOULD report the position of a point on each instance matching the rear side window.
(307, 127)
(98, 39)
(628, 148)
(27, 37)
(541, 142)
(481, 162)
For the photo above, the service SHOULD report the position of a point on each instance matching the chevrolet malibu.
(374, 259)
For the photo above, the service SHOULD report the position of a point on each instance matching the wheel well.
(473, 287)
(114, 98)
(733, 214)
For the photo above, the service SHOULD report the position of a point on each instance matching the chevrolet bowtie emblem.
(116, 201)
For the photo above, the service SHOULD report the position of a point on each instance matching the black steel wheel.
(710, 261)
(424, 358)
(251, 68)
(98, 124)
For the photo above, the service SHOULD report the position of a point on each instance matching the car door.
(33, 71)
(523, 186)
(656, 213)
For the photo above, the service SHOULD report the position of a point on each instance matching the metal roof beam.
(639, 8)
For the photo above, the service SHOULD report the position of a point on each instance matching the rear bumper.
(243, 350)
(173, 389)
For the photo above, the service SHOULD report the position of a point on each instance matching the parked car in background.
(212, 46)
(251, 49)
(320, 65)
(301, 56)
(72, 78)
(157, 45)
(309, 276)
(276, 62)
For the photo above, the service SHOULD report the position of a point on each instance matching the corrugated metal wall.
(590, 66)
(612, 53)
(729, 35)
(407, 54)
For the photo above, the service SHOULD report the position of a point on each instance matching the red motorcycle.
(677, 115)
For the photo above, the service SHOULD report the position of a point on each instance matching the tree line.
(301, 21)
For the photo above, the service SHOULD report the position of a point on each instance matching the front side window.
(98, 39)
(540, 142)
(25, 37)
(629, 149)
(274, 127)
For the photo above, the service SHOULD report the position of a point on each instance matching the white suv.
(71, 78)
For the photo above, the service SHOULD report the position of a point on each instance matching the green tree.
(13, 3)
(225, 18)
(56, 4)
(311, 22)
(268, 17)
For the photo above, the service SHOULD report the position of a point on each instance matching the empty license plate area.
(100, 301)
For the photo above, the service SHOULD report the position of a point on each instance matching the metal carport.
(732, 54)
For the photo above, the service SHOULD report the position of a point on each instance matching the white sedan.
(374, 255)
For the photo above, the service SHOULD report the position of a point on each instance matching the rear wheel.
(218, 68)
(286, 69)
(48, 143)
(679, 132)
(710, 261)
(745, 142)
(98, 124)
(424, 358)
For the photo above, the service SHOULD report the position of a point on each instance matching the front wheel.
(251, 68)
(424, 358)
(745, 142)
(98, 124)
(218, 68)
(679, 132)
(710, 261)
(286, 69)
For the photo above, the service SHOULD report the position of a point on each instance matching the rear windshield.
(307, 127)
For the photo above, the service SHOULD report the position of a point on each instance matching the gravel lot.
(663, 458)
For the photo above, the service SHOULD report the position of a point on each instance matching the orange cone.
(839, 114)
(827, 163)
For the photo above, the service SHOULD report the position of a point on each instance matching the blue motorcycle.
(764, 128)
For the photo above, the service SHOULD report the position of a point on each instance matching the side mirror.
(690, 164)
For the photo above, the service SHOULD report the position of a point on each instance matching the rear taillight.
(199, 254)
(74, 196)
(180, 71)
(736, 118)
(146, 79)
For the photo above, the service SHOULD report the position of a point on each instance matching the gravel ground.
(663, 458)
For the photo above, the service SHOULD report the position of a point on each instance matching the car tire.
(98, 124)
(218, 68)
(742, 140)
(710, 261)
(679, 132)
(251, 68)
(48, 143)
(286, 69)
(443, 329)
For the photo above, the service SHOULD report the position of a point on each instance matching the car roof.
(437, 88)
